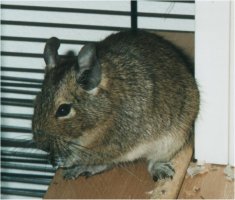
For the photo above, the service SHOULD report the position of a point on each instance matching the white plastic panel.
(212, 73)
(232, 87)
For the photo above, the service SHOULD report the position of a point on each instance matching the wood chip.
(229, 172)
(196, 189)
(195, 169)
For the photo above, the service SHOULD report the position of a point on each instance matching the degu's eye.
(63, 110)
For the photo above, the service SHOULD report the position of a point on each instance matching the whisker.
(77, 146)
(66, 147)
(62, 149)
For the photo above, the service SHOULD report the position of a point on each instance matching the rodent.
(130, 96)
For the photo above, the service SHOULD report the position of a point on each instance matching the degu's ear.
(89, 71)
(50, 52)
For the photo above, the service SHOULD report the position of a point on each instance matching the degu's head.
(70, 102)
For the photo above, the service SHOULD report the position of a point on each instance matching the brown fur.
(147, 94)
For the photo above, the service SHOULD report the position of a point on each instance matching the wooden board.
(130, 181)
(210, 185)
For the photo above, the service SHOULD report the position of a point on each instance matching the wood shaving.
(189, 194)
(163, 191)
(196, 189)
(195, 169)
(200, 162)
(229, 172)
(149, 192)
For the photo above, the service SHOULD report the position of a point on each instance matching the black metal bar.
(26, 178)
(26, 92)
(10, 78)
(16, 69)
(20, 104)
(166, 15)
(20, 54)
(15, 129)
(182, 1)
(27, 39)
(134, 25)
(164, 30)
(31, 55)
(23, 154)
(22, 192)
(27, 85)
(17, 102)
(10, 165)
(71, 10)
(57, 25)
(16, 116)
(22, 160)
(17, 143)
(12, 103)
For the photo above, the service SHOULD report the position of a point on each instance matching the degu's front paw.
(87, 171)
(161, 170)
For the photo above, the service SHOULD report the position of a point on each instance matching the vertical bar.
(134, 16)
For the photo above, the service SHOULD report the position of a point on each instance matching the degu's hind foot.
(161, 170)
(87, 171)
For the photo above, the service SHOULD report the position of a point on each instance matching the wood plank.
(130, 181)
(210, 185)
